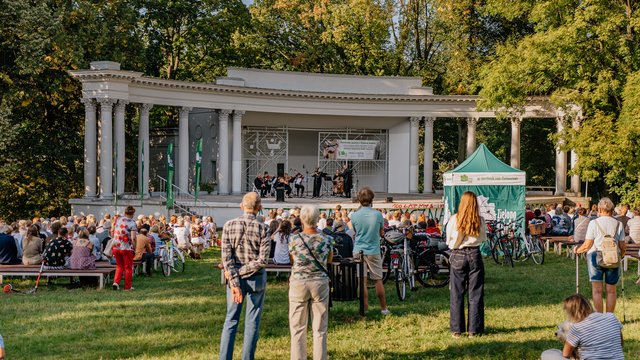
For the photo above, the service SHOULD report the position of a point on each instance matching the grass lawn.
(181, 317)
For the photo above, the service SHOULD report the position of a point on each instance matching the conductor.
(317, 182)
(347, 175)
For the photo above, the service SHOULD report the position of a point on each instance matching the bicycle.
(171, 258)
(502, 241)
(431, 260)
(401, 263)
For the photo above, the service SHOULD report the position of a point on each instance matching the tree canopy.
(577, 52)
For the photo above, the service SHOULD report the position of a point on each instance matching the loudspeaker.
(280, 169)
(389, 199)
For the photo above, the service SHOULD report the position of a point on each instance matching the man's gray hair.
(251, 201)
(309, 215)
(605, 205)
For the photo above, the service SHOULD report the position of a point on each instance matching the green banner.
(196, 185)
(170, 171)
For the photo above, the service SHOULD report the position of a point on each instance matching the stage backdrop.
(499, 187)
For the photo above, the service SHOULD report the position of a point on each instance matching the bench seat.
(102, 273)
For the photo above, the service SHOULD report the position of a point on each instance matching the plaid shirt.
(245, 247)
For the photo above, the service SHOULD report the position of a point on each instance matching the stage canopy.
(500, 188)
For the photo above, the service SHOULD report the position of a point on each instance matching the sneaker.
(115, 286)
(385, 312)
(455, 335)
(129, 289)
(472, 335)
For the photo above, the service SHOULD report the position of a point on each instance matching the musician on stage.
(299, 185)
(266, 178)
(288, 180)
(338, 184)
(318, 176)
(347, 175)
(260, 186)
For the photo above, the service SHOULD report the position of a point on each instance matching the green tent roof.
(483, 161)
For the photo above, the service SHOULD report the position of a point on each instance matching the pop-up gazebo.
(500, 188)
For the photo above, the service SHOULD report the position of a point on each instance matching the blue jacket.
(8, 250)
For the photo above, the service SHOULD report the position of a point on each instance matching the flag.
(196, 185)
(142, 172)
(170, 176)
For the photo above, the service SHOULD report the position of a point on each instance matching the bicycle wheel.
(386, 264)
(507, 250)
(164, 261)
(433, 269)
(178, 261)
(401, 284)
(523, 249)
(496, 251)
(537, 250)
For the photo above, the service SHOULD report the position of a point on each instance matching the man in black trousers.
(317, 182)
(347, 175)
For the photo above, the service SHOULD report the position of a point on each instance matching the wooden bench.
(271, 267)
(631, 253)
(558, 241)
(101, 271)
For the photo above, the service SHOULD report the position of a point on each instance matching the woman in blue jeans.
(466, 230)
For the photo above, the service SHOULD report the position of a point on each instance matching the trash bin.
(344, 280)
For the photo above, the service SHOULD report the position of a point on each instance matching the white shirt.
(395, 223)
(322, 223)
(468, 241)
(608, 225)
(634, 229)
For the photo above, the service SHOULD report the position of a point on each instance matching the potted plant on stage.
(208, 186)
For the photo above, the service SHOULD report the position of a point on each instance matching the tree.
(580, 53)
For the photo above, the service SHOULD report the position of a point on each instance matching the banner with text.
(336, 149)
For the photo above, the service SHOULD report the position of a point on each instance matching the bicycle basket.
(394, 237)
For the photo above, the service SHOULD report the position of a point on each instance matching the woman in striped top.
(593, 335)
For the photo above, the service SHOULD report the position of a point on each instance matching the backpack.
(608, 257)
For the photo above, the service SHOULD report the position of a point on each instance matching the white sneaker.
(385, 312)
(115, 286)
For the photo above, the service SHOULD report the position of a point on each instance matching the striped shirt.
(597, 337)
(245, 247)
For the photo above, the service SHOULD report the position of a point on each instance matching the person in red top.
(432, 227)
(124, 232)
(529, 214)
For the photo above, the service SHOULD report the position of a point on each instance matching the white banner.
(351, 149)
(457, 179)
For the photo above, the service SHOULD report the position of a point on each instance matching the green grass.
(181, 318)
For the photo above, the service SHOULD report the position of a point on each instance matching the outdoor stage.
(225, 207)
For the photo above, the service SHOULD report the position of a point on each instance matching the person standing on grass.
(125, 231)
(466, 230)
(604, 225)
(310, 253)
(1, 348)
(245, 252)
(368, 226)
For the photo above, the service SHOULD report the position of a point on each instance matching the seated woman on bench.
(82, 257)
(58, 251)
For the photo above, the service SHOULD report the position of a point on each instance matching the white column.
(106, 149)
(183, 149)
(236, 163)
(428, 155)
(143, 151)
(413, 154)
(223, 152)
(120, 146)
(575, 179)
(515, 142)
(471, 134)
(90, 147)
(561, 159)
